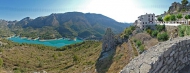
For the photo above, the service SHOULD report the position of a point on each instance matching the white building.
(146, 20)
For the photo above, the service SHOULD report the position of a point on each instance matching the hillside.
(27, 58)
(81, 57)
(70, 24)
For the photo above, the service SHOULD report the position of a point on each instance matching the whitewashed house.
(144, 21)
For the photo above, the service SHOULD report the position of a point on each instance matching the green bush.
(162, 36)
(138, 43)
(181, 33)
(75, 58)
(160, 28)
(181, 30)
(173, 18)
(141, 48)
(167, 17)
(128, 31)
(135, 40)
(149, 31)
(154, 33)
(179, 16)
(17, 71)
(187, 30)
(160, 18)
(132, 27)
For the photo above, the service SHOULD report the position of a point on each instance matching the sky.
(119, 10)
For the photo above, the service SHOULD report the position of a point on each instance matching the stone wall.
(166, 57)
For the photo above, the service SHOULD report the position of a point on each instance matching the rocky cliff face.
(108, 44)
(107, 53)
(108, 40)
(175, 7)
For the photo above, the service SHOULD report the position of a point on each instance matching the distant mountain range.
(70, 24)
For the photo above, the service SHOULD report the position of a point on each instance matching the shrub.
(55, 56)
(135, 40)
(75, 58)
(138, 43)
(179, 16)
(149, 31)
(162, 36)
(187, 30)
(132, 27)
(160, 18)
(160, 27)
(181, 30)
(181, 33)
(141, 48)
(154, 33)
(167, 17)
(17, 71)
(173, 18)
(128, 31)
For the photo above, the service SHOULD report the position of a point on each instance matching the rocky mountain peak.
(175, 7)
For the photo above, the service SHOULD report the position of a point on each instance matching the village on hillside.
(177, 14)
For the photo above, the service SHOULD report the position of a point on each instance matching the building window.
(148, 15)
(143, 22)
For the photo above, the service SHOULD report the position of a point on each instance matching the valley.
(77, 42)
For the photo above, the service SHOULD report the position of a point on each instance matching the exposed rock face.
(108, 40)
(166, 57)
(175, 8)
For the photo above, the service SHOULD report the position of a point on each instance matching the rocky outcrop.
(166, 57)
(175, 7)
(108, 40)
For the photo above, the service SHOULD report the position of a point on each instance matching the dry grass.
(31, 59)
(147, 40)
(78, 59)
(121, 58)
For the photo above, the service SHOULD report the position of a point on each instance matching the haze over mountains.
(70, 24)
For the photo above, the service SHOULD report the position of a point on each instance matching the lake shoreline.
(59, 42)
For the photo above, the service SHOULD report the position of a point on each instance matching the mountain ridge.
(70, 24)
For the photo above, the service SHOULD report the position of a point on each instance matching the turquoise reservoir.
(55, 43)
